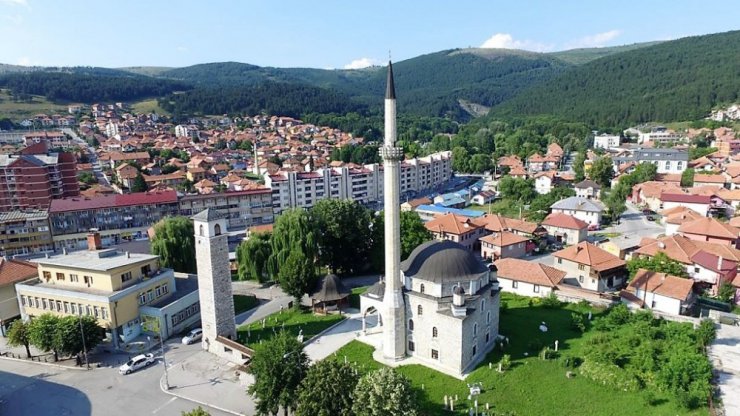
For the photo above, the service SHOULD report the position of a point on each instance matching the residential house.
(606, 141)
(503, 245)
(667, 160)
(591, 267)
(565, 229)
(621, 246)
(25, 233)
(588, 189)
(12, 272)
(711, 271)
(481, 198)
(450, 200)
(710, 230)
(527, 278)
(674, 217)
(456, 228)
(648, 193)
(545, 181)
(717, 180)
(584, 209)
(497, 223)
(412, 204)
(660, 292)
(126, 174)
(698, 203)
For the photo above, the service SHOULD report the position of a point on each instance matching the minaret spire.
(390, 88)
(394, 317)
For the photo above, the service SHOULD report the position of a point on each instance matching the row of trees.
(62, 335)
(284, 379)
(341, 235)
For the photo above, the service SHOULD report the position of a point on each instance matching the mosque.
(440, 306)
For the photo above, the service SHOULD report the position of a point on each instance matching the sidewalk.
(211, 381)
(335, 338)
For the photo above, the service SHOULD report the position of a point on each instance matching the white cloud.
(361, 63)
(506, 41)
(15, 2)
(594, 41)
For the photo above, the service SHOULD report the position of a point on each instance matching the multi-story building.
(667, 160)
(606, 141)
(241, 208)
(363, 184)
(35, 176)
(108, 284)
(25, 233)
(118, 218)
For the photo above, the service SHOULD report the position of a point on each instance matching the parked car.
(594, 227)
(136, 363)
(192, 336)
(647, 211)
(650, 218)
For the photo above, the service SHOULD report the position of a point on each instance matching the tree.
(278, 365)
(70, 332)
(727, 293)
(294, 234)
(460, 159)
(687, 178)
(297, 275)
(166, 169)
(615, 204)
(174, 243)
(602, 171)
(87, 178)
(18, 335)
(480, 163)
(517, 189)
(139, 184)
(343, 231)
(198, 411)
(43, 334)
(327, 390)
(252, 256)
(384, 392)
(578, 166)
(658, 263)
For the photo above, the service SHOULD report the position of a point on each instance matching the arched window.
(483, 304)
(217, 229)
(200, 230)
(421, 288)
(488, 317)
(475, 329)
(434, 332)
(419, 310)
(411, 324)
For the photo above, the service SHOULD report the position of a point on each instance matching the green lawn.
(532, 386)
(290, 320)
(148, 106)
(244, 303)
(608, 234)
(502, 207)
(354, 298)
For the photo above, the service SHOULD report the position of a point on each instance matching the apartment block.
(35, 176)
(25, 233)
(241, 208)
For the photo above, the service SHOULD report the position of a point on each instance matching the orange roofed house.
(527, 278)
(456, 228)
(659, 291)
(591, 267)
(12, 272)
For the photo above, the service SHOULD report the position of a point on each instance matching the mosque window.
(434, 332)
(411, 324)
(200, 230)
(217, 229)
(419, 310)
(475, 329)
(421, 288)
(435, 355)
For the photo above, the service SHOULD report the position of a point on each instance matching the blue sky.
(331, 33)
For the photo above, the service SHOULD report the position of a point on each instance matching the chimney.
(93, 241)
(719, 263)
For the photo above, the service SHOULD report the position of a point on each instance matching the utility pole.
(164, 361)
(84, 346)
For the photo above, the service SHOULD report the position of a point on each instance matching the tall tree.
(327, 390)
(480, 163)
(174, 243)
(658, 263)
(297, 275)
(460, 159)
(294, 231)
(384, 392)
(278, 365)
(43, 334)
(602, 171)
(687, 177)
(615, 204)
(18, 335)
(343, 231)
(578, 166)
(252, 256)
(139, 184)
(71, 330)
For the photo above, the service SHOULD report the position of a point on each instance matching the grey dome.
(443, 261)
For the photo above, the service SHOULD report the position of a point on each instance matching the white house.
(565, 229)
(584, 209)
(527, 278)
(697, 203)
(483, 198)
(659, 291)
(606, 141)
(588, 189)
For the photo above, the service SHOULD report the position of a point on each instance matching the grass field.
(244, 303)
(38, 105)
(290, 320)
(148, 106)
(531, 386)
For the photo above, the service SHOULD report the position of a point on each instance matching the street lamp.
(82, 331)
(164, 358)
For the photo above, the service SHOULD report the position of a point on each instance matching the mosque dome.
(443, 261)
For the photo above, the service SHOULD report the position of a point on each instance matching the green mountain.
(676, 80)
(584, 55)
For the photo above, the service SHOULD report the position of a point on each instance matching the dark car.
(648, 212)
(650, 218)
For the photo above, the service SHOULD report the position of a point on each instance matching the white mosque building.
(439, 307)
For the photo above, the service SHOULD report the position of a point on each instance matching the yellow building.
(108, 284)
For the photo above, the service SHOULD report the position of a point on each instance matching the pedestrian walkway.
(335, 338)
(725, 358)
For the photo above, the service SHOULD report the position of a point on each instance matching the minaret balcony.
(391, 153)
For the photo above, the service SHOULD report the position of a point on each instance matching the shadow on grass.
(293, 322)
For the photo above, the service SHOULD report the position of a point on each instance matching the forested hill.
(677, 80)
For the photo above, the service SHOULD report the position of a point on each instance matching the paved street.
(633, 222)
(725, 357)
(100, 391)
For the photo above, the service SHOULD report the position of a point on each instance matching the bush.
(551, 301)
(706, 332)
(548, 354)
(505, 362)
(578, 322)
(568, 361)
(609, 375)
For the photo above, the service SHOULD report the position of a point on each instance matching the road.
(97, 169)
(633, 222)
(101, 391)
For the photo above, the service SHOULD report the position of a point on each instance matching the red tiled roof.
(13, 271)
(709, 227)
(503, 239)
(686, 198)
(110, 201)
(661, 284)
(529, 272)
(712, 262)
(564, 221)
(590, 255)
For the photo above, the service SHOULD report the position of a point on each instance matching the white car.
(136, 363)
(192, 336)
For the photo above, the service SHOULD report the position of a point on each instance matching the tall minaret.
(394, 325)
